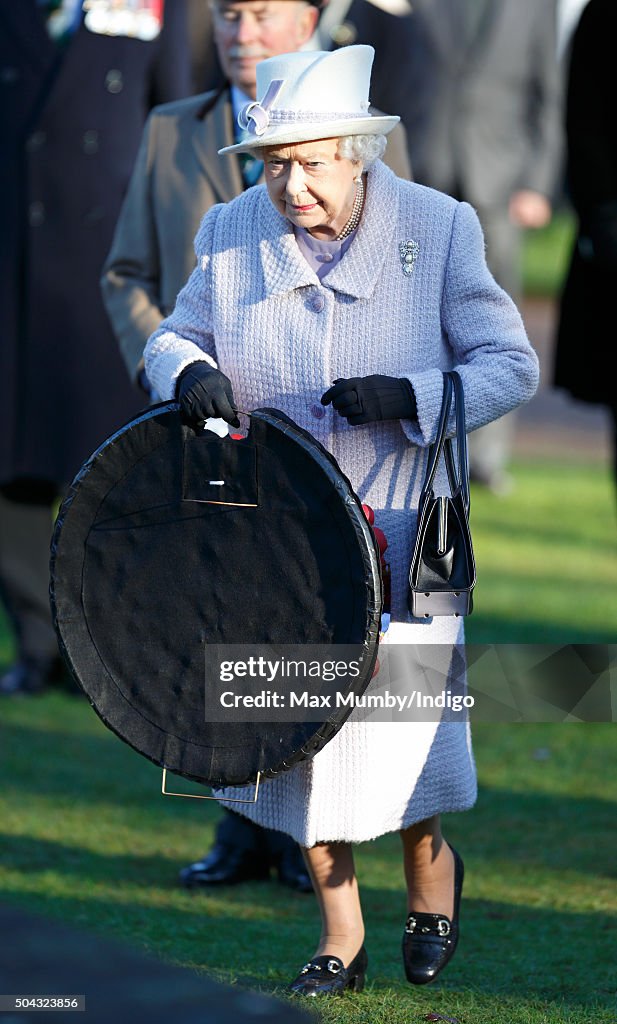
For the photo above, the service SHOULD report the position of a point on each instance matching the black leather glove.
(203, 391)
(368, 399)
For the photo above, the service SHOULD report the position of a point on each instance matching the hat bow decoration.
(254, 118)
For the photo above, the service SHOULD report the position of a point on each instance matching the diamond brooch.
(409, 253)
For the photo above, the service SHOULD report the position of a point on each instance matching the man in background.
(76, 84)
(484, 125)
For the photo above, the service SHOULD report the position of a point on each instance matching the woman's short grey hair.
(366, 149)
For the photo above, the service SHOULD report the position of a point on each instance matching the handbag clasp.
(442, 524)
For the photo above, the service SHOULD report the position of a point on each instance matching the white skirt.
(372, 777)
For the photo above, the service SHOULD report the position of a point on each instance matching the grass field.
(547, 557)
(546, 254)
(87, 837)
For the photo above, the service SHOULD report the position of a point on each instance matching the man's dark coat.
(71, 119)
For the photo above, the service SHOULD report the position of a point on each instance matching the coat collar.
(214, 130)
(283, 265)
(285, 268)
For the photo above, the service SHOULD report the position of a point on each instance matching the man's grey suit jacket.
(484, 117)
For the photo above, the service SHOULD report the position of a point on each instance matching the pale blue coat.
(255, 308)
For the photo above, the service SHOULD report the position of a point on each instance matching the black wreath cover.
(149, 567)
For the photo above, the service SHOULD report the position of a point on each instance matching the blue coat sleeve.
(486, 336)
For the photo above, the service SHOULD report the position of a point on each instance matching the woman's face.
(311, 185)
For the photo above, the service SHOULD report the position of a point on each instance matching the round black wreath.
(152, 560)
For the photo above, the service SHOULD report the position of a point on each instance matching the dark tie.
(252, 169)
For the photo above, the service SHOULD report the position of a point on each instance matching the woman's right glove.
(203, 392)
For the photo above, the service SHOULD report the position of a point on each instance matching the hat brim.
(311, 131)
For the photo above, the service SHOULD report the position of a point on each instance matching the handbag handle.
(452, 390)
(461, 442)
(436, 448)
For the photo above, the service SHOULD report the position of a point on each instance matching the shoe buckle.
(443, 927)
(333, 967)
(310, 967)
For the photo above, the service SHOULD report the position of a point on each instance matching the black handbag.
(443, 571)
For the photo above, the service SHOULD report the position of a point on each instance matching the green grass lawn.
(87, 837)
(546, 557)
(546, 254)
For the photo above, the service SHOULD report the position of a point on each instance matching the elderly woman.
(337, 271)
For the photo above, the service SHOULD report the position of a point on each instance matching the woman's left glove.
(368, 399)
(203, 392)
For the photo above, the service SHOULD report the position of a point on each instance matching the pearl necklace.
(356, 212)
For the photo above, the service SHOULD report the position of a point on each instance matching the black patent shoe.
(328, 976)
(225, 865)
(429, 940)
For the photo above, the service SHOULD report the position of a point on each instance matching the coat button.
(114, 82)
(318, 303)
(91, 142)
(36, 141)
(317, 411)
(36, 214)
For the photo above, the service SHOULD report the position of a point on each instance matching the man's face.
(247, 31)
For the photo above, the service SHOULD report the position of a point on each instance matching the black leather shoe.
(225, 865)
(327, 976)
(292, 870)
(429, 940)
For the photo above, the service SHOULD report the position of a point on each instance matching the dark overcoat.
(71, 118)
(586, 357)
